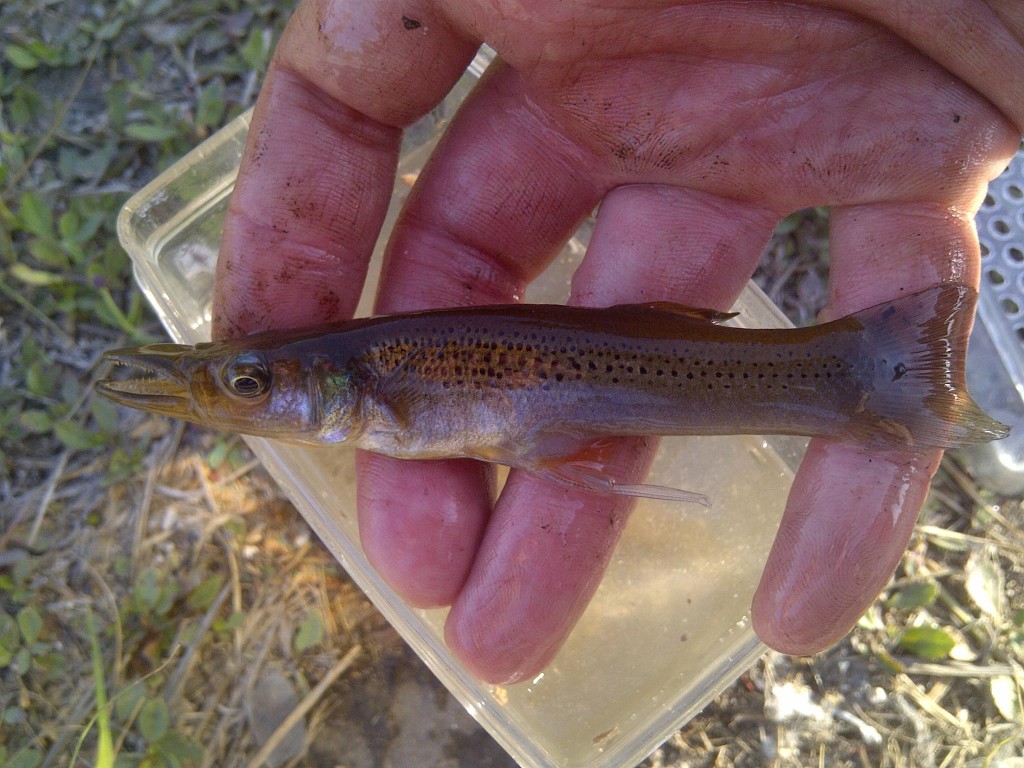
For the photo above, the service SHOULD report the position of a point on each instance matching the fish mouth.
(163, 386)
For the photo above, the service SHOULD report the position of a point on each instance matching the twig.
(242, 471)
(959, 669)
(304, 706)
(158, 460)
(926, 703)
(51, 486)
(966, 538)
(174, 685)
(236, 589)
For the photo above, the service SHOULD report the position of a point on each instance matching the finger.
(318, 168)
(467, 235)
(422, 541)
(980, 43)
(852, 509)
(546, 548)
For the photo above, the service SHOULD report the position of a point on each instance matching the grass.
(152, 577)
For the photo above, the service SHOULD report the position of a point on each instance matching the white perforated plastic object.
(995, 361)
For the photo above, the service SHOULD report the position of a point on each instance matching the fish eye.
(247, 376)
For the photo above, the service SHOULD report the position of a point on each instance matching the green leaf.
(310, 632)
(211, 105)
(202, 597)
(216, 455)
(930, 643)
(914, 595)
(10, 634)
(104, 415)
(153, 719)
(180, 748)
(26, 758)
(231, 623)
(36, 277)
(21, 662)
(72, 164)
(30, 623)
(128, 699)
(36, 421)
(35, 216)
(48, 253)
(108, 311)
(21, 57)
(67, 224)
(117, 104)
(111, 29)
(41, 378)
(151, 132)
(256, 50)
(76, 437)
(146, 589)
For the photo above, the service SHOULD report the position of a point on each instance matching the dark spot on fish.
(411, 24)
(956, 118)
(899, 371)
(889, 312)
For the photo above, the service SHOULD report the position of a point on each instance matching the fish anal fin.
(586, 470)
(681, 310)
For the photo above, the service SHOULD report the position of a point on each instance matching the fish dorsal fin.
(681, 310)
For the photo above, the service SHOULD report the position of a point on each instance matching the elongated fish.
(541, 387)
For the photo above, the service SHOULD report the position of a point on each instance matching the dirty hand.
(696, 127)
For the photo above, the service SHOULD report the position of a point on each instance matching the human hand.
(696, 127)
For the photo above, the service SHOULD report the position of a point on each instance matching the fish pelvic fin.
(919, 396)
(587, 468)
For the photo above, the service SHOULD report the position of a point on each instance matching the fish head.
(242, 386)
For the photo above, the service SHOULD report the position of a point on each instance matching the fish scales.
(653, 385)
(528, 385)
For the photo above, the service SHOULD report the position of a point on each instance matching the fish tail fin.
(919, 396)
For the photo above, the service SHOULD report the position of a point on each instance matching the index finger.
(318, 168)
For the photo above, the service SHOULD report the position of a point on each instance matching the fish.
(543, 388)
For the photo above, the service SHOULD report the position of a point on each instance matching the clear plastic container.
(669, 626)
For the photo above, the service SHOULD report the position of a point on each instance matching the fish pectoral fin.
(584, 470)
(682, 310)
(398, 393)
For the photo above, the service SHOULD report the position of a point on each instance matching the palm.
(696, 128)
